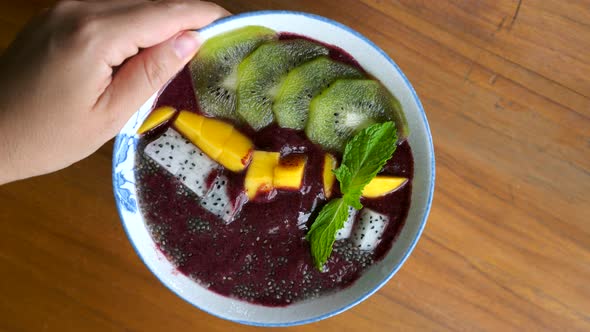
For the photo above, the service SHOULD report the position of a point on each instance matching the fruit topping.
(328, 176)
(260, 173)
(156, 118)
(214, 69)
(367, 231)
(184, 160)
(189, 124)
(218, 139)
(383, 185)
(169, 150)
(344, 232)
(348, 106)
(236, 152)
(219, 202)
(291, 104)
(260, 75)
(288, 174)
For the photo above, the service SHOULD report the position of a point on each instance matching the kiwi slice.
(348, 106)
(260, 75)
(302, 84)
(214, 68)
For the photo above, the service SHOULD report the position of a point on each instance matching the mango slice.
(330, 163)
(236, 152)
(289, 172)
(189, 125)
(260, 173)
(383, 185)
(214, 134)
(217, 138)
(156, 118)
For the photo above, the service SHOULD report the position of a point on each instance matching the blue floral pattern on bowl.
(123, 161)
(123, 194)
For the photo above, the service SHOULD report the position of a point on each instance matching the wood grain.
(506, 87)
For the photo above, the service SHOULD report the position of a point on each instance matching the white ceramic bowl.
(376, 62)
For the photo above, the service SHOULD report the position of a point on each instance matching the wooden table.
(506, 87)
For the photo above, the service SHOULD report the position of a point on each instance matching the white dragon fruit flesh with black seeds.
(368, 229)
(344, 232)
(184, 160)
(195, 169)
(219, 202)
(168, 150)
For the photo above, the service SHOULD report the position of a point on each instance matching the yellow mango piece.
(156, 118)
(260, 173)
(214, 134)
(289, 172)
(189, 125)
(236, 152)
(382, 185)
(330, 163)
(217, 138)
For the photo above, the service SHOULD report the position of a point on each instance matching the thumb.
(144, 74)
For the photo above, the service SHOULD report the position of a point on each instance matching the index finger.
(151, 23)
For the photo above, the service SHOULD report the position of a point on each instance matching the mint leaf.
(344, 176)
(322, 233)
(364, 156)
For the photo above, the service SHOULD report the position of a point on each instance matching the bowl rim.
(428, 206)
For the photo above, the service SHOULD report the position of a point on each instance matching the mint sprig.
(364, 156)
(322, 233)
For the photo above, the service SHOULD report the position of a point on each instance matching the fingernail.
(186, 44)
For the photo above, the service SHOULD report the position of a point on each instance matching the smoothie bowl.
(282, 177)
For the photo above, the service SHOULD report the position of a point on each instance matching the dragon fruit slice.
(219, 202)
(344, 232)
(368, 230)
(195, 169)
(168, 150)
(179, 156)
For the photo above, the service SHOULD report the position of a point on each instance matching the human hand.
(75, 75)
